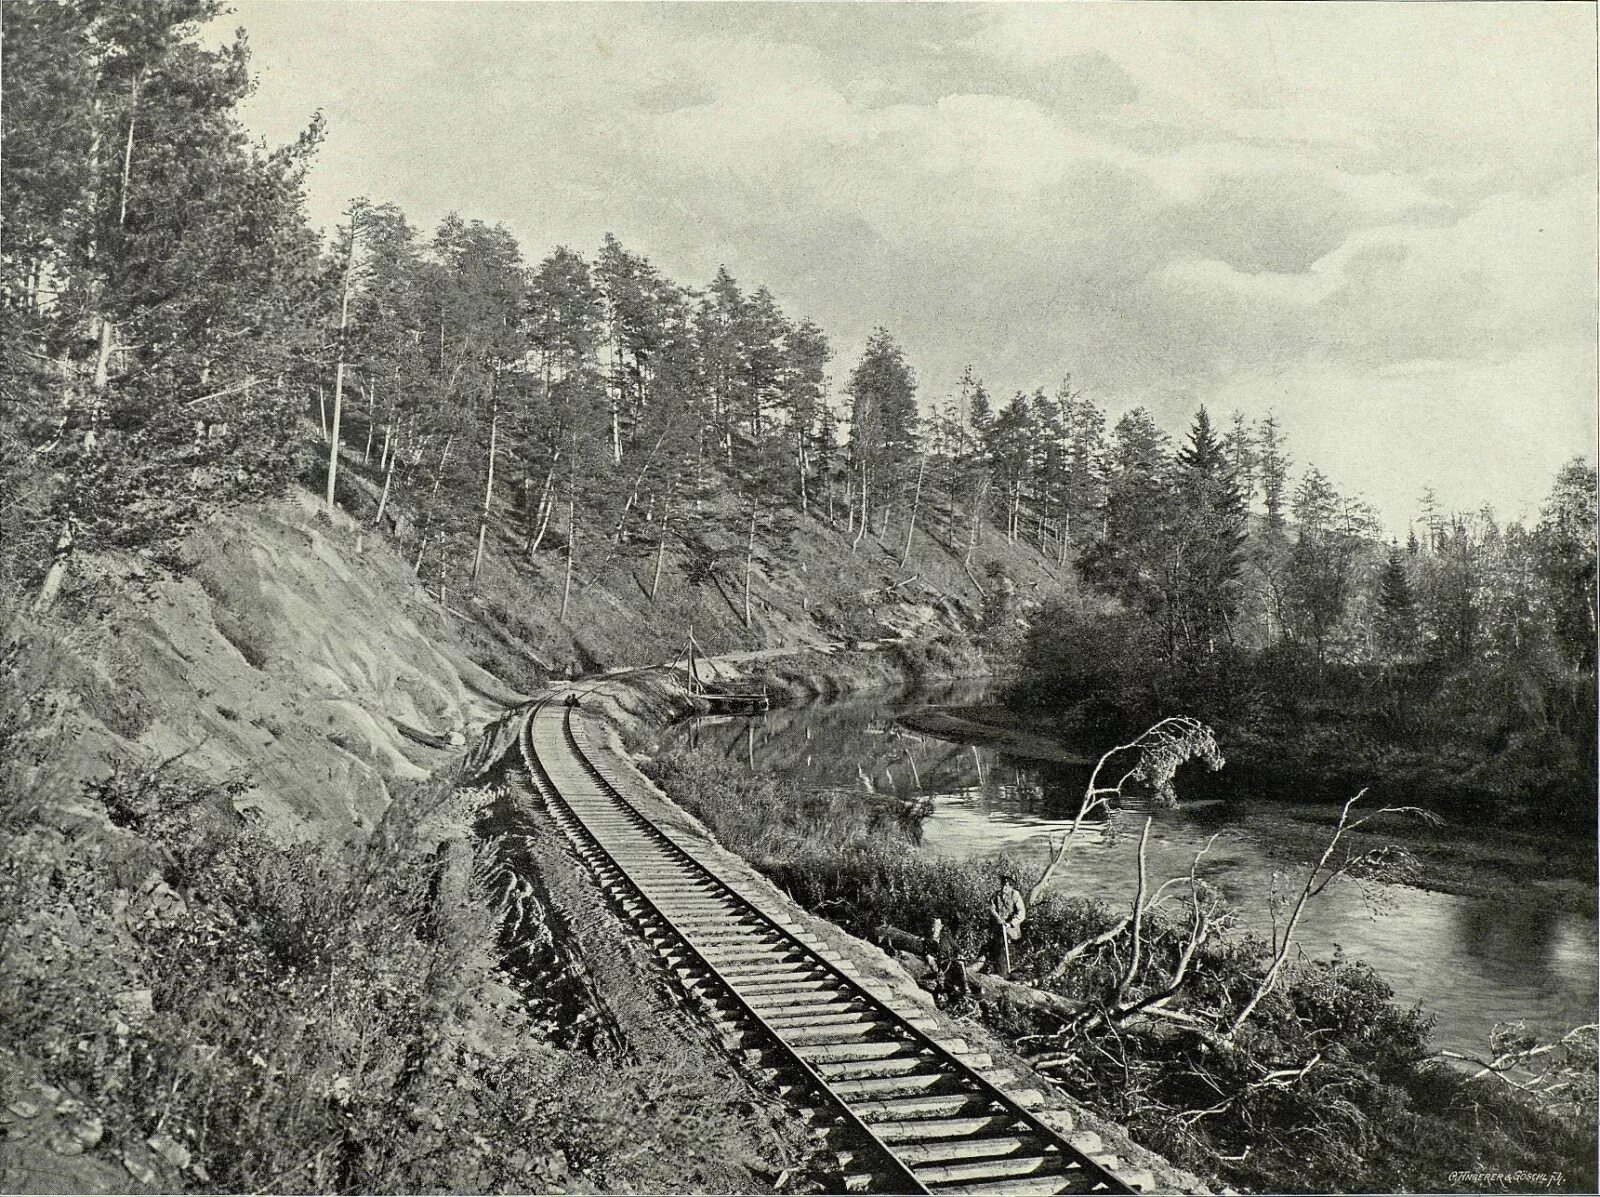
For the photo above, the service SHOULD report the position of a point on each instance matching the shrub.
(770, 821)
(223, 1011)
(1365, 1114)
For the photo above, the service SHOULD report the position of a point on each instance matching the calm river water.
(1471, 962)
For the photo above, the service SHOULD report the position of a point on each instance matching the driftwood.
(1015, 993)
(894, 939)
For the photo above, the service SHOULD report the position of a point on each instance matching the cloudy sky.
(1377, 220)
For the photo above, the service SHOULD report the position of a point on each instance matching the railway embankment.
(847, 858)
(246, 738)
(243, 737)
(626, 712)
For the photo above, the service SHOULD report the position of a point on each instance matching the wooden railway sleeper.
(930, 1099)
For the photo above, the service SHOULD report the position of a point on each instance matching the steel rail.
(1107, 1182)
(914, 1186)
(1075, 1163)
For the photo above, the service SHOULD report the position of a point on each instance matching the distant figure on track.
(1006, 912)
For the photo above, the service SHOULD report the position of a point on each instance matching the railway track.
(919, 1115)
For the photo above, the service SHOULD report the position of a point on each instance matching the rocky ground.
(297, 655)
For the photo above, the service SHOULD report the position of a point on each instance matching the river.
(1471, 962)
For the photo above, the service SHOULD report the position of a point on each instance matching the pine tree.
(674, 426)
(182, 271)
(566, 436)
(980, 412)
(972, 475)
(638, 307)
(1053, 418)
(801, 388)
(1212, 521)
(883, 424)
(1009, 450)
(1086, 497)
(762, 331)
(825, 450)
(1397, 609)
(385, 336)
(718, 323)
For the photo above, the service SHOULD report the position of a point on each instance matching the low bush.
(213, 1009)
(770, 821)
(1329, 1086)
(242, 1015)
(946, 655)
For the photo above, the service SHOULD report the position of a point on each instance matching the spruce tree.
(1272, 465)
(1397, 609)
(1138, 559)
(1211, 515)
(1565, 542)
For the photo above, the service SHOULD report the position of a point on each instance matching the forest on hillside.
(179, 339)
(225, 1010)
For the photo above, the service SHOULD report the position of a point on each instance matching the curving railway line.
(921, 1115)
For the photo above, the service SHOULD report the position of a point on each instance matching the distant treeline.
(177, 338)
(1458, 668)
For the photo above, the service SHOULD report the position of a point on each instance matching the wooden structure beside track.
(718, 698)
(919, 1114)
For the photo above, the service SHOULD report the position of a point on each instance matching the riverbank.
(641, 702)
(628, 713)
(1338, 1013)
(957, 725)
(1518, 865)
(234, 757)
(1331, 1025)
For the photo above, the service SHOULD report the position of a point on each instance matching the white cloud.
(1490, 431)
(1501, 278)
(1170, 201)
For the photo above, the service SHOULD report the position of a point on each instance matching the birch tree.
(1384, 864)
(352, 234)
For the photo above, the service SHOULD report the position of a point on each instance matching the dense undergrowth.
(208, 1007)
(1329, 1087)
(1501, 740)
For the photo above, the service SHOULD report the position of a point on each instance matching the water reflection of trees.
(863, 747)
(1525, 955)
(844, 746)
(1511, 937)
